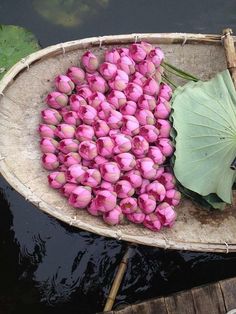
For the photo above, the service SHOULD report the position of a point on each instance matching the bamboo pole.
(228, 42)
(117, 281)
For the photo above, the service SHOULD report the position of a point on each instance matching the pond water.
(49, 267)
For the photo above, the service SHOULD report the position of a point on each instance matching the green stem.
(178, 74)
(180, 71)
(169, 81)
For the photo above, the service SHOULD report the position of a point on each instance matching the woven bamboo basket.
(23, 90)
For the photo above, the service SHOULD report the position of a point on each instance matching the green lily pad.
(15, 43)
(204, 117)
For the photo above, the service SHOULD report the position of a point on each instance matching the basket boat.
(23, 90)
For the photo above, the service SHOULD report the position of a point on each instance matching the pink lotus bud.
(89, 61)
(77, 75)
(137, 217)
(99, 160)
(139, 146)
(163, 108)
(166, 214)
(112, 56)
(126, 161)
(168, 180)
(123, 51)
(63, 110)
(80, 197)
(108, 70)
(84, 132)
(84, 91)
(138, 78)
(114, 119)
(157, 190)
(68, 188)
(149, 132)
(88, 163)
(126, 64)
(147, 203)
(147, 102)
(124, 189)
(134, 177)
(88, 150)
(152, 222)
(76, 101)
(113, 217)
(46, 130)
(89, 75)
(156, 56)
(129, 108)
(156, 155)
(56, 179)
(92, 209)
(61, 157)
(71, 117)
(110, 171)
(116, 98)
(91, 177)
(107, 186)
(120, 81)
(159, 173)
(130, 125)
(105, 146)
(165, 146)
(145, 116)
(95, 99)
(146, 68)
(51, 116)
(165, 91)
(75, 173)
(133, 91)
(97, 84)
(164, 128)
(146, 46)
(142, 189)
(68, 145)
(48, 145)
(150, 87)
(64, 84)
(104, 109)
(56, 100)
(147, 168)
(157, 76)
(50, 161)
(137, 52)
(114, 132)
(105, 200)
(128, 205)
(87, 114)
(64, 130)
(72, 159)
(101, 128)
(122, 143)
(173, 197)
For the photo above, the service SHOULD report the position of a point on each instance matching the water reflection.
(69, 13)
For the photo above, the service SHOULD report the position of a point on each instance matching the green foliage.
(204, 118)
(15, 43)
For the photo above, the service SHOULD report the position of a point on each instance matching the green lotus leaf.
(15, 43)
(204, 118)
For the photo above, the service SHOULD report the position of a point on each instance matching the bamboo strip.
(230, 53)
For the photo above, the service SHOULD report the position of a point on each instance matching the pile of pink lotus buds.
(105, 137)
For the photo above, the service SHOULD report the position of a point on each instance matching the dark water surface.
(49, 267)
